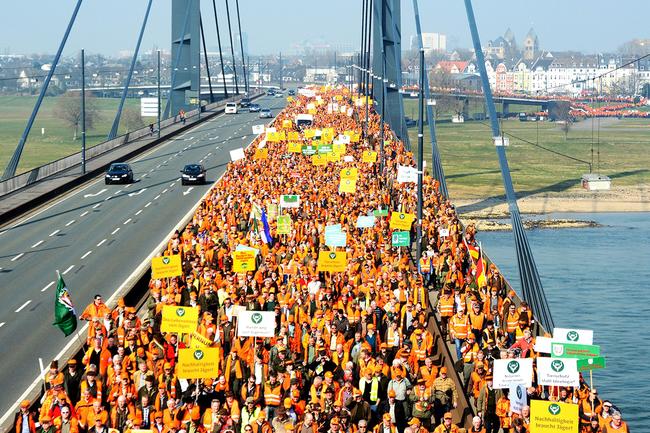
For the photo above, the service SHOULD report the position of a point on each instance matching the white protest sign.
(558, 372)
(290, 201)
(406, 174)
(256, 324)
(258, 129)
(237, 154)
(348, 158)
(577, 336)
(365, 221)
(512, 372)
(149, 107)
(271, 129)
(443, 233)
(543, 344)
(518, 398)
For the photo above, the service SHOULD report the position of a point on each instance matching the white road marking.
(127, 221)
(188, 190)
(115, 231)
(69, 223)
(107, 199)
(3, 232)
(151, 171)
(95, 194)
(157, 197)
(143, 176)
(117, 192)
(139, 212)
(38, 243)
(137, 193)
(2, 324)
(47, 287)
(164, 190)
(172, 184)
(86, 255)
(67, 270)
(17, 257)
(244, 137)
(102, 242)
(97, 205)
(23, 306)
(84, 214)
(148, 204)
(209, 153)
(54, 232)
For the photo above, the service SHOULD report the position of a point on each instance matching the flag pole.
(42, 374)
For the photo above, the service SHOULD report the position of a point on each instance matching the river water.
(597, 278)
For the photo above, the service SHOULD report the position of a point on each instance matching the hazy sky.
(111, 26)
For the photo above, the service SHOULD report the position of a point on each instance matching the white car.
(231, 108)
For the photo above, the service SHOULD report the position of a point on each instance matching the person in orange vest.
(272, 395)
(511, 324)
(447, 425)
(445, 308)
(25, 421)
(459, 328)
(386, 425)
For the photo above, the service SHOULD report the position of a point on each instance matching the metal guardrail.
(36, 174)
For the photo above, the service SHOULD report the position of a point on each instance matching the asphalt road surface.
(97, 235)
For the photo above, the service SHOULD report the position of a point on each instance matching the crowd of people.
(353, 351)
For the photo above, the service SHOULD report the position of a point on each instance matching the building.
(431, 42)
(531, 45)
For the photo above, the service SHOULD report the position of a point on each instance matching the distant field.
(58, 138)
(472, 170)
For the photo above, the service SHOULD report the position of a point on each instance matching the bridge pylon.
(186, 56)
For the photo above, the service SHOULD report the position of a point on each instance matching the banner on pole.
(401, 220)
(553, 417)
(332, 261)
(256, 324)
(568, 350)
(290, 201)
(557, 372)
(197, 363)
(518, 398)
(594, 363)
(166, 267)
(575, 336)
(182, 320)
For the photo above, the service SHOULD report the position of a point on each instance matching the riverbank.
(628, 199)
(491, 225)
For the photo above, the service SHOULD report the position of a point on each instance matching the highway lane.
(97, 236)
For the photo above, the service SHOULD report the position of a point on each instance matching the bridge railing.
(37, 174)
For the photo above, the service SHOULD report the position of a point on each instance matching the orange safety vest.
(477, 320)
(420, 351)
(272, 394)
(446, 306)
(392, 338)
(512, 322)
(460, 327)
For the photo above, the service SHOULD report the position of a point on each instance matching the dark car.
(291, 92)
(254, 108)
(193, 173)
(270, 92)
(265, 113)
(245, 102)
(119, 172)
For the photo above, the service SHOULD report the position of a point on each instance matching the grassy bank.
(57, 141)
(472, 170)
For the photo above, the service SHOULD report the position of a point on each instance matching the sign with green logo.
(401, 239)
(380, 213)
(256, 324)
(595, 363)
(284, 225)
(508, 373)
(325, 148)
(553, 417)
(579, 336)
(181, 320)
(518, 398)
(198, 354)
(197, 363)
(569, 350)
(309, 150)
(557, 372)
(180, 312)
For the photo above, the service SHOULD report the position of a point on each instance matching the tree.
(68, 109)
(560, 111)
(645, 90)
(131, 119)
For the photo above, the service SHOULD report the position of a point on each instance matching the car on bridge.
(254, 108)
(291, 92)
(118, 172)
(265, 113)
(231, 108)
(245, 103)
(193, 173)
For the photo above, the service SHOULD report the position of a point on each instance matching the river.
(596, 278)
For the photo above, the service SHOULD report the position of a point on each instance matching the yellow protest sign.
(293, 136)
(333, 157)
(401, 220)
(354, 138)
(289, 98)
(311, 111)
(200, 363)
(282, 136)
(349, 133)
(182, 320)
(339, 148)
(350, 173)
(348, 185)
(331, 261)
(369, 156)
(286, 123)
(166, 267)
(243, 261)
(309, 133)
(272, 137)
(319, 159)
(338, 97)
(294, 147)
(199, 341)
(553, 417)
(262, 153)
(284, 225)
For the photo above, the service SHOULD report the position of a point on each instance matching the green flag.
(64, 315)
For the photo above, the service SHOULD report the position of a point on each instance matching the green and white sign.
(401, 239)
(256, 324)
(290, 201)
(595, 363)
(512, 372)
(557, 372)
(569, 350)
(380, 212)
(325, 148)
(309, 150)
(575, 336)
